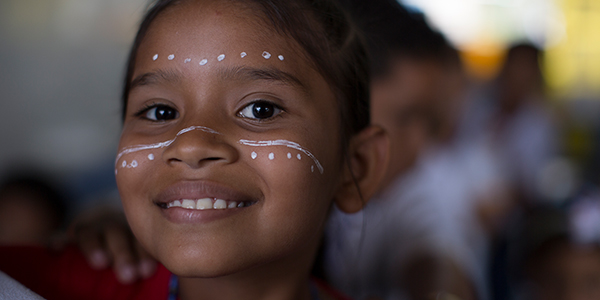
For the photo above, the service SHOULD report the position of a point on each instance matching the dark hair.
(49, 195)
(392, 31)
(327, 37)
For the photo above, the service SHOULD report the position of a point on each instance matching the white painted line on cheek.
(266, 55)
(271, 156)
(171, 57)
(254, 155)
(155, 57)
(312, 169)
(221, 57)
(285, 143)
(203, 62)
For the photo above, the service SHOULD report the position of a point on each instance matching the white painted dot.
(171, 57)
(155, 57)
(134, 164)
(221, 57)
(243, 54)
(266, 55)
(299, 157)
(312, 169)
(289, 156)
(203, 62)
(151, 156)
(187, 60)
(280, 57)
(271, 156)
(254, 155)
(124, 164)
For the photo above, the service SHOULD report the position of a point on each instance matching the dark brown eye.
(161, 113)
(260, 110)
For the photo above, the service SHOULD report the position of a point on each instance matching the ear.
(364, 169)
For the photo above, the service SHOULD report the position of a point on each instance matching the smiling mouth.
(206, 204)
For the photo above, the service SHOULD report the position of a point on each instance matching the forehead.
(218, 31)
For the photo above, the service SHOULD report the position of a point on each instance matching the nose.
(196, 147)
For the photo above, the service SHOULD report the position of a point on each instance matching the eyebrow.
(155, 77)
(237, 73)
(267, 74)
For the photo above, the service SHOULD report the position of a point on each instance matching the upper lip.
(200, 189)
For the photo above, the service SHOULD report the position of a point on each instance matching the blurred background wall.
(61, 67)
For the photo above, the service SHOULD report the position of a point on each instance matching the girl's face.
(229, 156)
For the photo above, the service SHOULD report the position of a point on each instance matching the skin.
(263, 251)
(568, 272)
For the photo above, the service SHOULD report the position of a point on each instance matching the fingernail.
(98, 259)
(126, 274)
(147, 268)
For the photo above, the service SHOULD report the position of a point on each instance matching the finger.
(118, 242)
(146, 263)
(90, 243)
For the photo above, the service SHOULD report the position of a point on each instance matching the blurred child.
(244, 121)
(31, 210)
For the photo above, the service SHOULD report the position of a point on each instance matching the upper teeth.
(205, 203)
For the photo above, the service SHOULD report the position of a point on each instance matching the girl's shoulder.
(67, 275)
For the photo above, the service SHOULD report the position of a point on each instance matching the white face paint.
(285, 143)
(155, 57)
(203, 62)
(254, 155)
(289, 155)
(187, 60)
(271, 156)
(171, 57)
(243, 54)
(280, 57)
(221, 57)
(266, 55)
(137, 148)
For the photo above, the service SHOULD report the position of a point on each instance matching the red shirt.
(67, 275)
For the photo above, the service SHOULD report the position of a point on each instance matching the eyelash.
(147, 107)
(277, 111)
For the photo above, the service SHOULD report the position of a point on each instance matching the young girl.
(244, 121)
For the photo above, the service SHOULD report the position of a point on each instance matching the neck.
(284, 281)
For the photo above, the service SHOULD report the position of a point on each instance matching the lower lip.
(190, 216)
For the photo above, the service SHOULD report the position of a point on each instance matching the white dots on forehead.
(220, 57)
